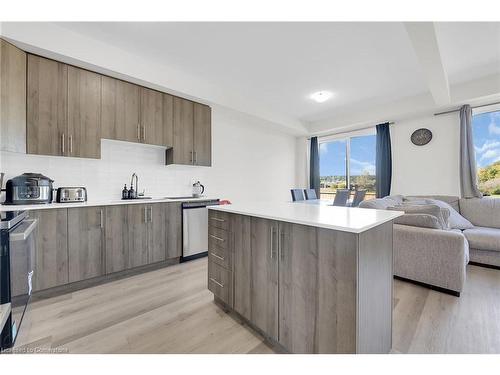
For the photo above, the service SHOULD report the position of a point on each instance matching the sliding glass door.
(348, 162)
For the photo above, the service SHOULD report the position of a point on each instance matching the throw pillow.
(457, 221)
(419, 220)
(428, 209)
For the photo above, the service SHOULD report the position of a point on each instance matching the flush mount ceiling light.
(321, 96)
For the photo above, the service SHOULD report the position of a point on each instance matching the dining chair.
(297, 194)
(310, 194)
(359, 196)
(341, 197)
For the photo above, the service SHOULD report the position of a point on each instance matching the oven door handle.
(22, 232)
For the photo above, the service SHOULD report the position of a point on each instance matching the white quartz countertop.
(317, 213)
(4, 314)
(4, 208)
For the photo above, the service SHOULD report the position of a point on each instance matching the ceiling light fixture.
(321, 96)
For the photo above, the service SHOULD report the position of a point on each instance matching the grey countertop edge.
(4, 314)
(227, 208)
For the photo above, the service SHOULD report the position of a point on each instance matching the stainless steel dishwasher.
(195, 228)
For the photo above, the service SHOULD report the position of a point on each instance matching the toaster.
(71, 194)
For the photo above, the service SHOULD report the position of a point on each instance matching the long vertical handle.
(150, 214)
(138, 132)
(101, 219)
(143, 132)
(281, 240)
(70, 144)
(145, 214)
(62, 144)
(272, 242)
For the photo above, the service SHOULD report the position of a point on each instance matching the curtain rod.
(458, 109)
(348, 131)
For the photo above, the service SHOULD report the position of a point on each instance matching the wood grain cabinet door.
(157, 235)
(13, 98)
(138, 236)
(240, 226)
(297, 287)
(174, 229)
(182, 152)
(264, 275)
(86, 242)
(116, 235)
(168, 120)
(84, 113)
(120, 104)
(47, 90)
(152, 127)
(202, 135)
(51, 264)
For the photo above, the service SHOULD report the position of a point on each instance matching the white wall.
(429, 169)
(251, 160)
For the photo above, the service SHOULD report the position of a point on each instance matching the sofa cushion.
(456, 220)
(379, 203)
(440, 214)
(419, 220)
(452, 200)
(483, 238)
(482, 212)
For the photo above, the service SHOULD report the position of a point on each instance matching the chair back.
(341, 197)
(310, 194)
(359, 197)
(297, 194)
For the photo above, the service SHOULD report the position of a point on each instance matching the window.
(486, 131)
(347, 162)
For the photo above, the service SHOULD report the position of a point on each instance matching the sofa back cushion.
(432, 210)
(382, 203)
(482, 212)
(452, 200)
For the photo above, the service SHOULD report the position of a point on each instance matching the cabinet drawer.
(218, 238)
(218, 219)
(220, 256)
(220, 282)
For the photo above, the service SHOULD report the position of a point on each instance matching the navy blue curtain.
(314, 166)
(384, 161)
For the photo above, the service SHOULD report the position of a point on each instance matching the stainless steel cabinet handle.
(145, 214)
(70, 144)
(216, 282)
(272, 242)
(191, 157)
(151, 214)
(217, 256)
(143, 132)
(218, 238)
(195, 161)
(217, 219)
(62, 143)
(138, 132)
(281, 241)
(101, 219)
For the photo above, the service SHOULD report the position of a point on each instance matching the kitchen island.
(312, 278)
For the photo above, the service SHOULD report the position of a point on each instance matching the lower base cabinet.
(86, 243)
(76, 244)
(51, 259)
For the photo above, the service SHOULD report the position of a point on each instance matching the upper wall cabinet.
(47, 110)
(13, 98)
(192, 143)
(64, 109)
(84, 113)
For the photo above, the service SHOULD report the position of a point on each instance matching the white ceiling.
(278, 65)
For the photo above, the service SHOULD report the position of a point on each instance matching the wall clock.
(421, 137)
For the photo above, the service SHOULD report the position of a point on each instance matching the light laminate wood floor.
(171, 311)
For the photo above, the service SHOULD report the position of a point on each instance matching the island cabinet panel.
(13, 98)
(117, 238)
(86, 243)
(241, 231)
(174, 230)
(375, 290)
(51, 264)
(47, 110)
(120, 102)
(157, 234)
(264, 275)
(138, 239)
(220, 283)
(84, 113)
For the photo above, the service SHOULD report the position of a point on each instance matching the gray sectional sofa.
(438, 257)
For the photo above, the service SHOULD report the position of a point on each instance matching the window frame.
(347, 137)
